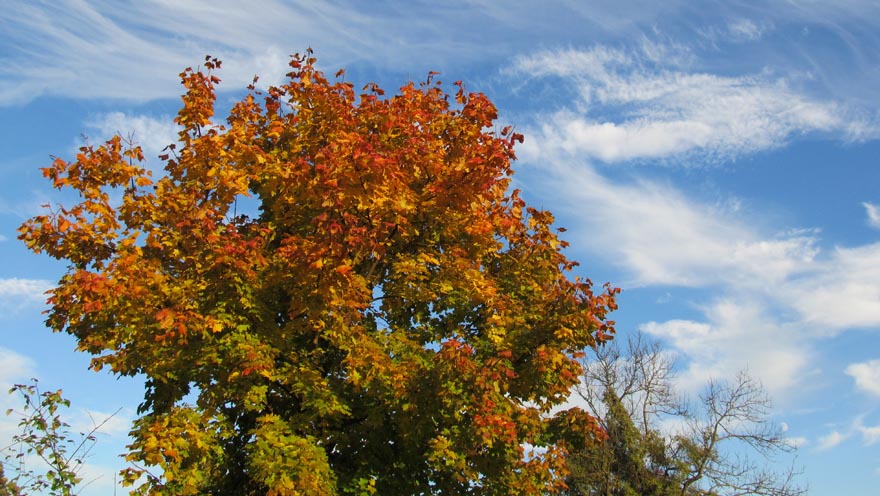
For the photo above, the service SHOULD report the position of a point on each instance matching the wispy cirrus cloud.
(630, 108)
(134, 50)
(14, 367)
(115, 424)
(657, 234)
(798, 441)
(97, 478)
(19, 293)
(744, 29)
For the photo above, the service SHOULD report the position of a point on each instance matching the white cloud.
(14, 367)
(611, 142)
(660, 235)
(745, 30)
(770, 295)
(830, 440)
(29, 289)
(29, 207)
(116, 424)
(739, 335)
(798, 441)
(151, 133)
(866, 375)
(80, 49)
(737, 29)
(632, 110)
(841, 291)
(95, 479)
(873, 212)
(98, 478)
(135, 50)
(871, 435)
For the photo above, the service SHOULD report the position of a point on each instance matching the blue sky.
(716, 160)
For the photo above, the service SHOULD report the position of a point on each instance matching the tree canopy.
(393, 320)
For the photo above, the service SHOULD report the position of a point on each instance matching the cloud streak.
(14, 367)
(631, 108)
(659, 235)
(842, 291)
(133, 50)
(871, 435)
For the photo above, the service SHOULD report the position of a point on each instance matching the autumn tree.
(393, 320)
(721, 447)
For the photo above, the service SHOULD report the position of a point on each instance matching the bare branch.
(731, 417)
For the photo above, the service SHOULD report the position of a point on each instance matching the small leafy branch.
(46, 436)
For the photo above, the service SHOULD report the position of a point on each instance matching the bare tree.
(641, 376)
(734, 413)
(721, 436)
